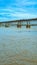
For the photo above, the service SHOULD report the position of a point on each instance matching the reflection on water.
(18, 46)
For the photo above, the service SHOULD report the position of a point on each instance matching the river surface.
(18, 46)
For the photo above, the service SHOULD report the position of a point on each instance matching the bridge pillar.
(0, 24)
(19, 25)
(7, 24)
(28, 24)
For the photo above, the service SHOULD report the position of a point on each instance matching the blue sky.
(17, 9)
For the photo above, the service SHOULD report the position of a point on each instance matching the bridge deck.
(21, 20)
(19, 23)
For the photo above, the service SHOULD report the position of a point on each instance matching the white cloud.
(25, 3)
(16, 15)
(18, 12)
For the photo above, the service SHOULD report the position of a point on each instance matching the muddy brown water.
(18, 46)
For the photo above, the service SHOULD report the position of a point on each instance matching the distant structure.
(19, 23)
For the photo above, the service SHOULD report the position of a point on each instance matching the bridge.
(19, 23)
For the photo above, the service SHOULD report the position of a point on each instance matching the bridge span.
(19, 23)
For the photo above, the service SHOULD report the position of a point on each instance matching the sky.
(17, 9)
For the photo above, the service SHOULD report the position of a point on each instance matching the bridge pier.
(7, 24)
(0, 24)
(28, 24)
(19, 25)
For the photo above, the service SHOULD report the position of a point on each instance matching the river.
(18, 46)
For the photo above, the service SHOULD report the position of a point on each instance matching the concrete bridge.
(19, 23)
